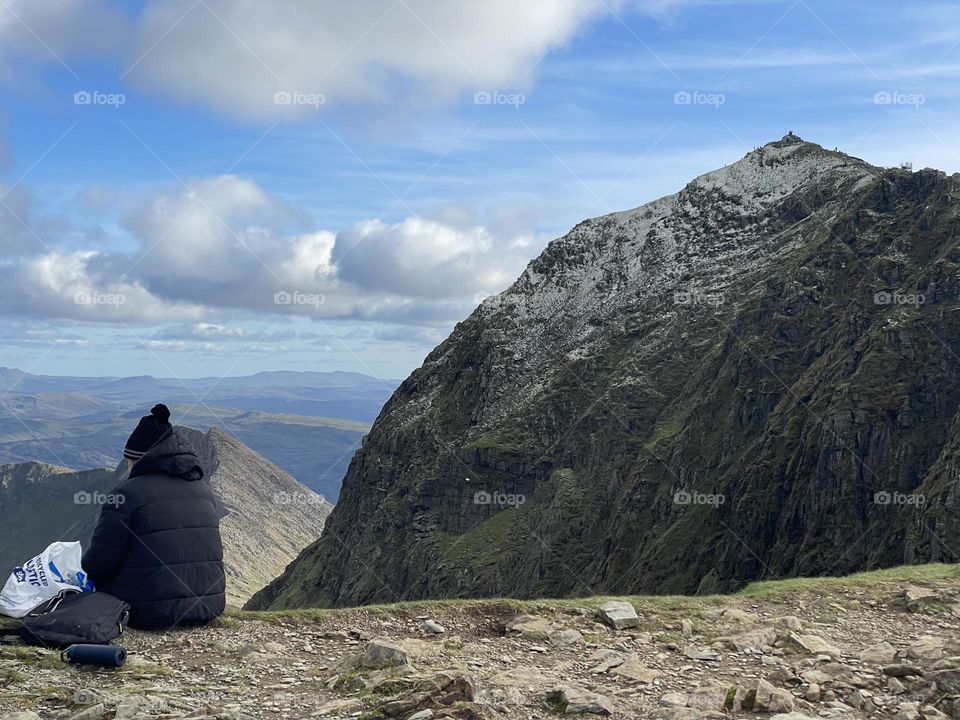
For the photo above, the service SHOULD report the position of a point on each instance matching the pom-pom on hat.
(149, 432)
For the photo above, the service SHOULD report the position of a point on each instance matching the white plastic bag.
(55, 569)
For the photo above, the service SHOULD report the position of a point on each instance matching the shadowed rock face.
(755, 377)
(267, 516)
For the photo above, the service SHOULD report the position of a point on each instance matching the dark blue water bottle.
(101, 655)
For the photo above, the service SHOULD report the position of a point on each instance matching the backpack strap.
(51, 604)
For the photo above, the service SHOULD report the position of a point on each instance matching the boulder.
(619, 615)
(381, 652)
(134, 705)
(575, 700)
(751, 640)
(444, 689)
(633, 669)
(880, 654)
(915, 596)
(787, 623)
(900, 670)
(947, 680)
(94, 712)
(927, 648)
(606, 659)
(815, 645)
(772, 699)
(567, 636)
(529, 625)
(700, 653)
(708, 697)
(674, 700)
(432, 627)
(738, 616)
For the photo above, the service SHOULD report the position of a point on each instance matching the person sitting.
(157, 546)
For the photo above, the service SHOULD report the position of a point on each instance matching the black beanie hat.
(150, 431)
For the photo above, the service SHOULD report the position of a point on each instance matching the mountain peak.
(789, 139)
(639, 402)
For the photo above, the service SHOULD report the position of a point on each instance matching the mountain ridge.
(690, 346)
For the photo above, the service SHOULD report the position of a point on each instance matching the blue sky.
(188, 221)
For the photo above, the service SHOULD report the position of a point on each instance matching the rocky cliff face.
(268, 517)
(755, 377)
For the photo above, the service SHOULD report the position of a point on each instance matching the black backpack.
(75, 618)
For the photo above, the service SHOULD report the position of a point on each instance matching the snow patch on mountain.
(677, 254)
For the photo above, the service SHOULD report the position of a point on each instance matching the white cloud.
(224, 243)
(234, 55)
(61, 284)
(56, 31)
(425, 259)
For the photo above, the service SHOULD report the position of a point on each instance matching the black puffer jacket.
(158, 547)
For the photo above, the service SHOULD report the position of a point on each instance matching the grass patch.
(482, 544)
(872, 580)
(10, 677)
(666, 607)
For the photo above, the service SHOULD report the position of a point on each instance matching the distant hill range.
(268, 517)
(308, 423)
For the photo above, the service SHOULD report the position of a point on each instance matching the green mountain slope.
(756, 377)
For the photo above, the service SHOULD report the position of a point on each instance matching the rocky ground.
(883, 644)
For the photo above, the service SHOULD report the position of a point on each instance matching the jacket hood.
(174, 456)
